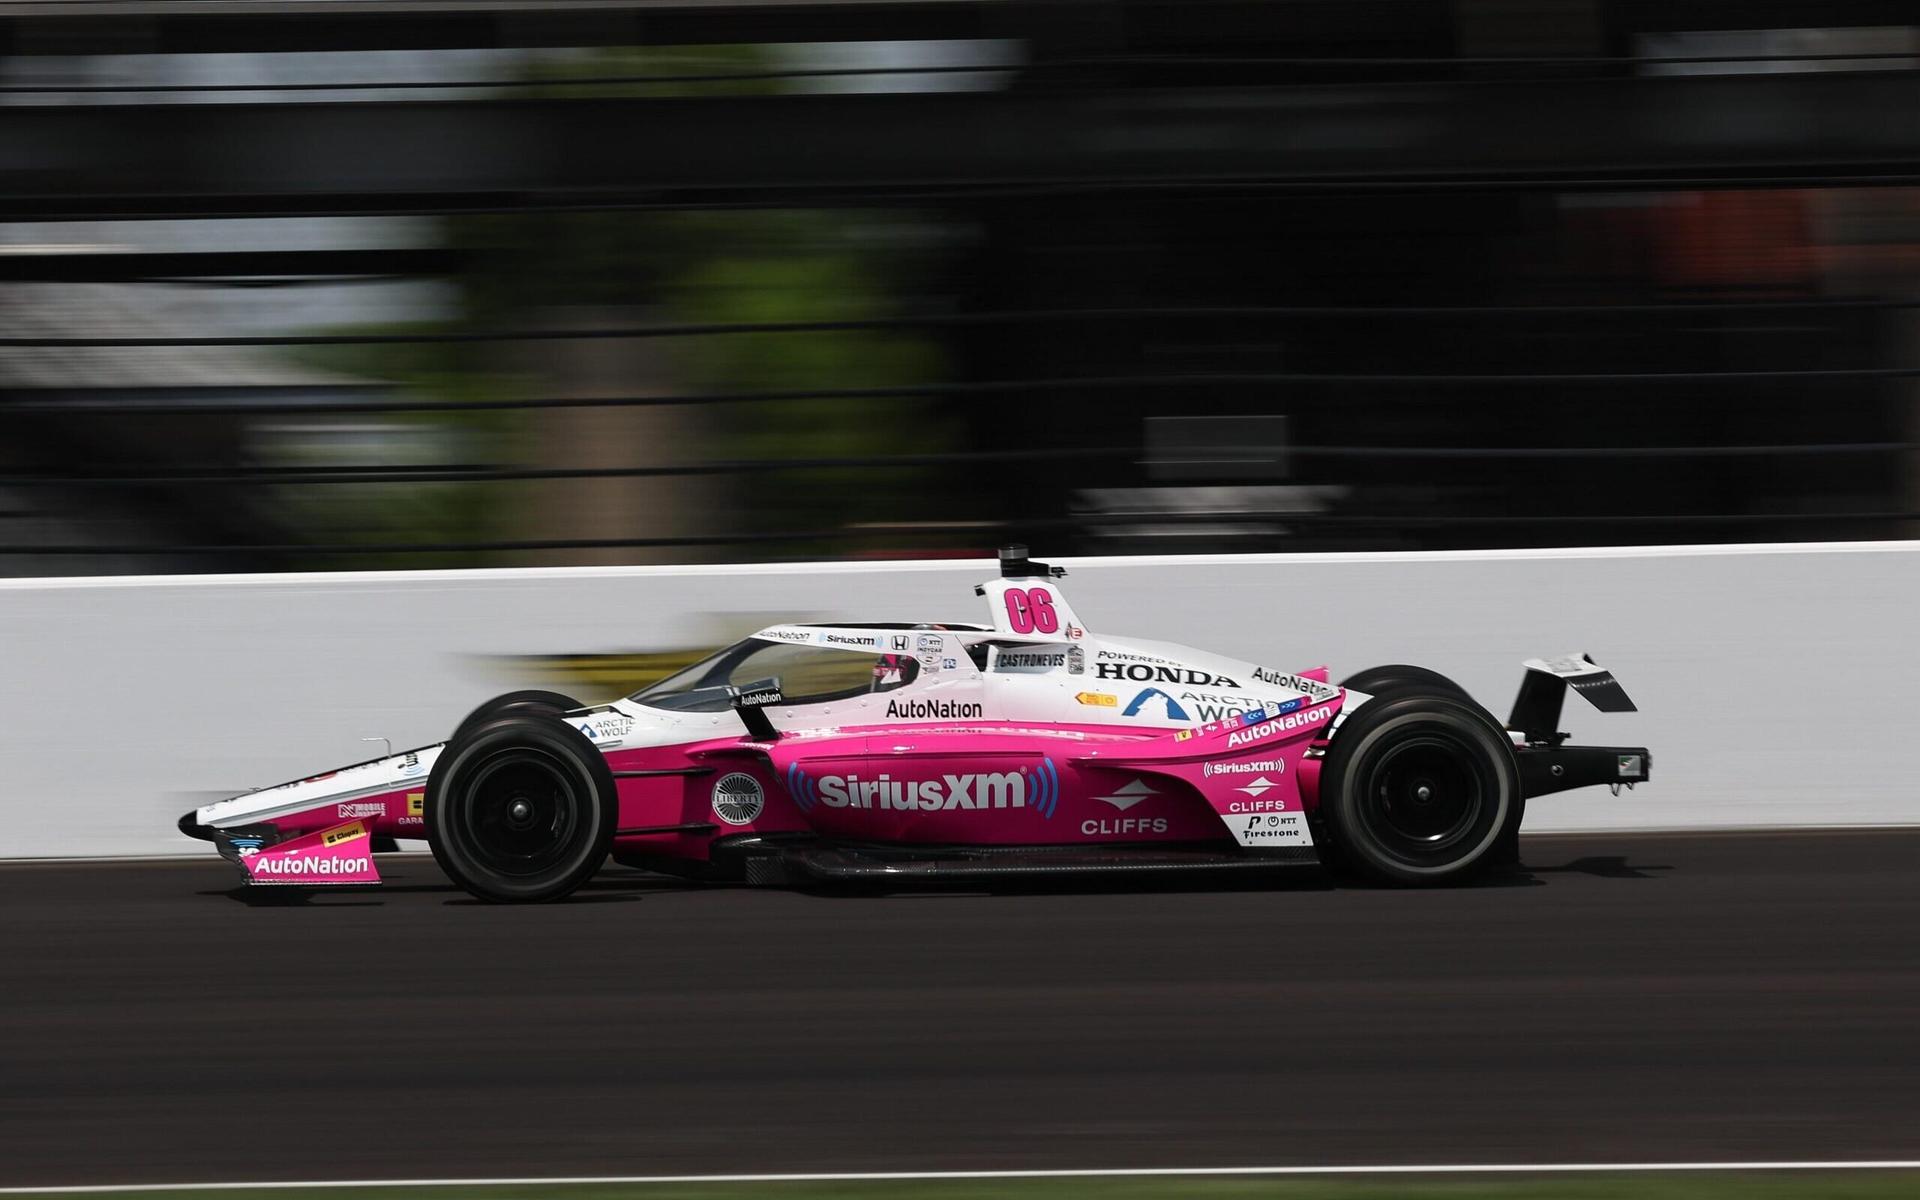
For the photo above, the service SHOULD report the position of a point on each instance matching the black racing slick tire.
(1375, 680)
(520, 810)
(1418, 787)
(530, 701)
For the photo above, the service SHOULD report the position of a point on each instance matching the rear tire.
(521, 809)
(1418, 787)
(1375, 680)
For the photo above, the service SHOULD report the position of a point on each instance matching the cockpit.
(806, 673)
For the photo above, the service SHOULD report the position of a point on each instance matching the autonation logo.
(1286, 724)
(932, 710)
(1037, 788)
(311, 866)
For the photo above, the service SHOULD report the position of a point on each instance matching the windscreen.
(807, 675)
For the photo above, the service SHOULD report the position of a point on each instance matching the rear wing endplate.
(1536, 710)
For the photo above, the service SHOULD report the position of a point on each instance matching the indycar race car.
(883, 753)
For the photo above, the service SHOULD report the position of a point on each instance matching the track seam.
(1069, 1173)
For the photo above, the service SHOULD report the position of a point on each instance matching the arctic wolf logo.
(1174, 711)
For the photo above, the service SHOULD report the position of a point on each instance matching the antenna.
(1014, 564)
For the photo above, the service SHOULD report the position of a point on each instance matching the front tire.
(1418, 787)
(520, 810)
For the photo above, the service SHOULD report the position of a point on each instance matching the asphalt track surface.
(1632, 998)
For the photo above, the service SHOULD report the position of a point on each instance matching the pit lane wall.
(1777, 684)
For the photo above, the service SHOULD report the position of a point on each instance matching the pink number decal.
(1044, 618)
(1018, 617)
(1032, 610)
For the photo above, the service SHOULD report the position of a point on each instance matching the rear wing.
(1536, 710)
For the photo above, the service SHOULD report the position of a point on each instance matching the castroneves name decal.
(1027, 660)
(1145, 673)
(1286, 724)
(933, 710)
(1037, 789)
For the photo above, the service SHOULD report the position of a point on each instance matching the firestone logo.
(1037, 788)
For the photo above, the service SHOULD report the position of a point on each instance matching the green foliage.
(721, 267)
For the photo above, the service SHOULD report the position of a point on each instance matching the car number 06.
(1031, 611)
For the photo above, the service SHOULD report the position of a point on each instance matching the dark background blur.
(348, 283)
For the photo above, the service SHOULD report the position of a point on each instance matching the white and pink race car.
(809, 754)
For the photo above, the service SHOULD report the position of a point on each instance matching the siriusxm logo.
(1255, 767)
(1037, 788)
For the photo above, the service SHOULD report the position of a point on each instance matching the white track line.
(1895, 1164)
(189, 857)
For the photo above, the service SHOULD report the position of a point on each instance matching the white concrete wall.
(1776, 683)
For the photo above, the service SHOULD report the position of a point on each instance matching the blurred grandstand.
(366, 283)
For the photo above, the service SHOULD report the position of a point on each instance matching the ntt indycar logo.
(1037, 788)
(311, 866)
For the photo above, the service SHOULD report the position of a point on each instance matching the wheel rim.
(1426, 795)
(525, 808)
